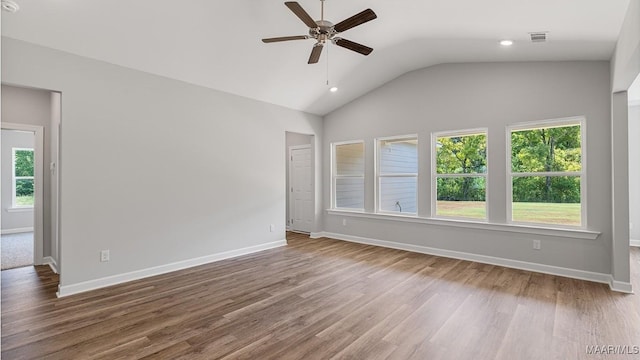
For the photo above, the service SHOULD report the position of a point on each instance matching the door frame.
(38, 185)
(291, 199)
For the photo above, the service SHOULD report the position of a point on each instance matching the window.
(460, 174)
(546, 184)
(22, 192)
(397, 174)
(348, 175)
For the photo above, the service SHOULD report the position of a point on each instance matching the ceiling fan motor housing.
(324, 31)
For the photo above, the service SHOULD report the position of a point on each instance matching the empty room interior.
(411, 179)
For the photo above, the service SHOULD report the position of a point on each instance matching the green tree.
(24, 163)
(461, 155)
(546, 150)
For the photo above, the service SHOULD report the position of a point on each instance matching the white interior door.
(301, 199)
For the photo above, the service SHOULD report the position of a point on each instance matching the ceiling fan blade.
(285, 38)
(315, 53)
(354, 46)
(300, 13)
(355, 20)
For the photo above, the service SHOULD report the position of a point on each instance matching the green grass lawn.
(24, 200)
(548, 213)
(467, 209)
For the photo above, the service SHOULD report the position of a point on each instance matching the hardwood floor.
(321, 299)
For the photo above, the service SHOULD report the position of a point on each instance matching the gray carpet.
(17, 250)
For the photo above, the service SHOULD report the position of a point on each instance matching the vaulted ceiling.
(216, 43)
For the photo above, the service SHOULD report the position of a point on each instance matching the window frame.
(15, 178)
(435, 175)
(549, 123)
(378, 176)
(335, 176)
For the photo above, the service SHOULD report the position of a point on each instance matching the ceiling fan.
(323, 30)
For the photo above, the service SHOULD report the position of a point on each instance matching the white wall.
(13, 221)
(491, 95)
(156, 170)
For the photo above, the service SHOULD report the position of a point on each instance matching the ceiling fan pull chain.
(327, 62)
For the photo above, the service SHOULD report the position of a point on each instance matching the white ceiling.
(216, 43)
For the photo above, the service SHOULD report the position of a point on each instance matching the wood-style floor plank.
(321, 299)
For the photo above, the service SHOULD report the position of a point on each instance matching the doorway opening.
(30, 186)
(300, 215)
(633, 100)
(21, 195)
(18, 197)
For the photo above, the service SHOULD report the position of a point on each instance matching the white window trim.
(550, 123)
(376, 184)
(334, 176)
(435, 175)
(15, 178)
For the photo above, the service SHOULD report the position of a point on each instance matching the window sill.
(20, 209)
(514, 228)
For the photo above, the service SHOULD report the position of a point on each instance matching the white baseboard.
(48, 260)
(634, 242)
(317, 235)
(620, 286)
(67, 290)
(16, 231)
(515, 264)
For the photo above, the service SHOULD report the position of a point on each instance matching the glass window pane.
(398, 156)
(547, 200)
(461, 197)
(24, 192)
(398, 194)
(350, 159)
(24, 162)
(350, 193)
(546, 149)
(461, 154)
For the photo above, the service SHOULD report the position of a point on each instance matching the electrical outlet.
(630, 225)
(104, 255)
(272, 228)
(536, 244)
(344, 222)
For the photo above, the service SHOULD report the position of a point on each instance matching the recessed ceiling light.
(506, 42)
(333, 89)
(10, 6)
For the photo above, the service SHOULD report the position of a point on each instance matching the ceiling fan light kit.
(323, 30)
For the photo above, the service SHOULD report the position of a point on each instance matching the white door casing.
(301, 188)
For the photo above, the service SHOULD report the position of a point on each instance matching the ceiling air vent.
(10, 6)
(537, 37)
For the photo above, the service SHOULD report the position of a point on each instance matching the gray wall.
(624, 67)
(634, 171)
(157, 170)
(22, 219)
(33, 107)
(491, 95)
